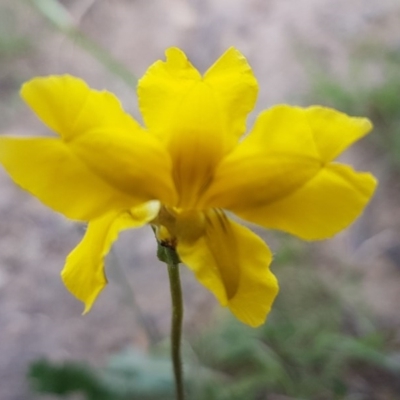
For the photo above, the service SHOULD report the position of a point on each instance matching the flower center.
(173, 225)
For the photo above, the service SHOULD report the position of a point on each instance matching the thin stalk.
(177, 316)
(59, 16)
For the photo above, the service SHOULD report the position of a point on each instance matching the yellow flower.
(184, 168)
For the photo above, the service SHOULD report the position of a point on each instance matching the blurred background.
(334, 332)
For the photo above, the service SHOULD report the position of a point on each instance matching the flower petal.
(233, 263)
(325, 205)
(333, 131)
(199, 119)
(99, 132)
(83, 274)
(68, 106)
(49, 170)
(173, 95)
(235, 89)
(277, 157)
(280, 176)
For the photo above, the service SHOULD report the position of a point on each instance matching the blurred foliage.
(314, 346)
(14, 45)
(68, 378)
(372, 89)
(12, 42)
(130, 375)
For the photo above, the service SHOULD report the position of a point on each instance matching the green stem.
(177, 316)
(59, 16)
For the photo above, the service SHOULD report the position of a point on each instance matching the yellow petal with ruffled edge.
(83, 274)
(286, 155)
(232, 262)
(69, 107)
(198, 119)
(325, 205)
(106, 139)
(47, 168)
(334, 131)
(278, 156)
(235, 89)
